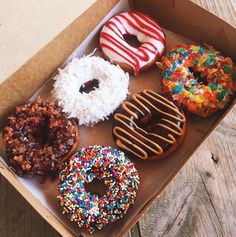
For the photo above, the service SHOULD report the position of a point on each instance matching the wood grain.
(200, 201)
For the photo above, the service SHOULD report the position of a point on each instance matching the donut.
(198, 78)
(90, 210)
(98, 104)
(39, 138)
(132, 58)
(149, 126)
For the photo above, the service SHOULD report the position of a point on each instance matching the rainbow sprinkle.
(114, 169)
(209, 89)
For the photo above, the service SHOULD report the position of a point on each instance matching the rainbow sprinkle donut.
(198, 77)
(118, 173)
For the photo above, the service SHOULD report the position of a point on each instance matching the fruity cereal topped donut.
(132, 57)
(198, 77)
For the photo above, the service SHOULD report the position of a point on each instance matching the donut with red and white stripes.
(132, 58)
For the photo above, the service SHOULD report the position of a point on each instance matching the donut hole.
(40, 133)
(132, 40)
(148, 123)
(145, 123)
(198, 77)
(96, 186)
(89, 86)
(153, 123)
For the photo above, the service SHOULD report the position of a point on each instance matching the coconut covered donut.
(98, 104)
(132, 58)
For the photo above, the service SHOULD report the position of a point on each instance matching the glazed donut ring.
(198, 78)
(97, 105)
(39, 138)
(149, 126)
(118, 51)
(90, 210)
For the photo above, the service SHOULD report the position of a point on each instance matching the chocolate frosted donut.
(39, 138)
(149, 126)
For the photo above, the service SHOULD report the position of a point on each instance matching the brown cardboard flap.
(188, 19)
(24, 82)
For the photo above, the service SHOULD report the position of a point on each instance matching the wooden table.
(200, 201)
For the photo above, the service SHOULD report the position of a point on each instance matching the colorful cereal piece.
(201, 75)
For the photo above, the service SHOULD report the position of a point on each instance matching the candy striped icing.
(133, 138)
(148, 32)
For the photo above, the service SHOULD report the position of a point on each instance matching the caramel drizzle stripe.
(117, 118)
(167, 128)
(122, 138)
(171, 141)
(138, 134)
(137, 98)
(150, 92)
(125, 107)
(170, 129)
(140, 100)
(123, 146)
(169, 104)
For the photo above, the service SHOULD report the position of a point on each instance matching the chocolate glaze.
(148, 124)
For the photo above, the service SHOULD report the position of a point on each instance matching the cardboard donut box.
(72, 30)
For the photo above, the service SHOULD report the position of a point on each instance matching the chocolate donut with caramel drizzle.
(149, 126)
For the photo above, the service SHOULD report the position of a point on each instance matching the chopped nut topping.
(37, 138)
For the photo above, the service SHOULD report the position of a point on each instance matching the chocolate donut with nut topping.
(39, 138)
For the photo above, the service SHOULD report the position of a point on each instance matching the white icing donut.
(147, 31)
(98, 104)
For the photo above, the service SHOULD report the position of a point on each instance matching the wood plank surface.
(200, 201)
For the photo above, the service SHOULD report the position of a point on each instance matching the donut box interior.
(183, 22)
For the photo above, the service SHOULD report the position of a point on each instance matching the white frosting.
(98, 104)
(150, 35)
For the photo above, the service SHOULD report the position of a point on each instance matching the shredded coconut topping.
(98, 104)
